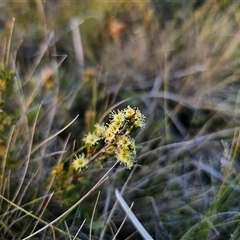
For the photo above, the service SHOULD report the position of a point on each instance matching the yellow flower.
(125, 142)
(118, 118)
(109, 135)
(138, 115)
(125, 156)
(91, 139)
(139, 119)
(129, 112)
(113, 127)
(139, 124)
(80, 162)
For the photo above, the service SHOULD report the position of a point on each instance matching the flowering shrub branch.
(112, 138)
(116, 135)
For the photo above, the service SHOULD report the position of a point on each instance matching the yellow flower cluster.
(126, 150)
(116, 136)
(117, 133)
(108, 139)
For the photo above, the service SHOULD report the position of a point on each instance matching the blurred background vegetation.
(177, 61)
